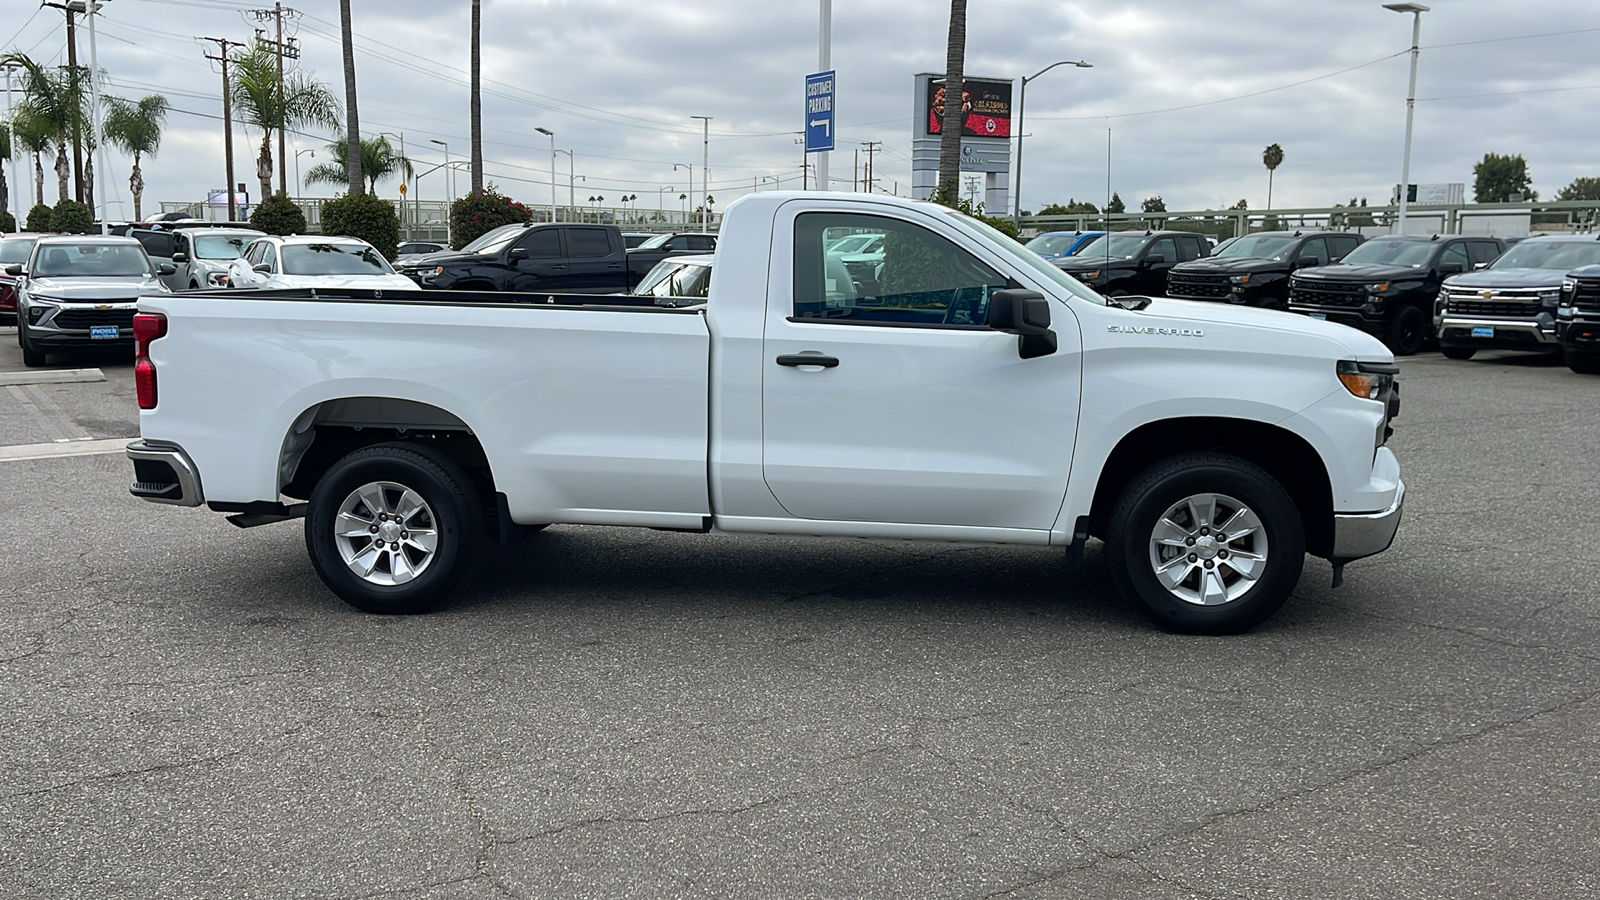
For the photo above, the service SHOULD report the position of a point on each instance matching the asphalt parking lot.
(616, 713)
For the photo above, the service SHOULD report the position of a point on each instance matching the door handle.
(808, 359)
(613, 265)
(558, 268)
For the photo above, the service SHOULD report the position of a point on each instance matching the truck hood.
(1231, 265)
(86, 290)
(1508, 278)
(1361, 273)
(444, 257)
(1362, 346)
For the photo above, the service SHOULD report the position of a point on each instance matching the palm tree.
(1272, 158)
(378, 161)
(954, 109)
(32, 136)
(53, 105)
(352, 122)
(136, 128)
(476, 113)
(259, 101)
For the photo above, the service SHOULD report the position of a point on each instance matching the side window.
(702, 242)
(588, 243)
(252, 254)
(923, 278)
(155, 243)
(681, 242)
(269, 256)
(1457, 253)
(1340, 245)
(1316, 248)
(1188, 248)
(1482, 252)
(1165, 248)
(541, 243)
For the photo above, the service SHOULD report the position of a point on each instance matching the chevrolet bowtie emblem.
(1486, 294)
(102, 306)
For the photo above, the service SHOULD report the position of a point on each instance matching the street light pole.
(404, 178)
(16, 208)
(571, 177)
(450, 179)
(661, 203)
(552, 136)
(1022, 99)
(705, 170)
(94, 115)
(1416, 10)
(690, 167)
(299, 186)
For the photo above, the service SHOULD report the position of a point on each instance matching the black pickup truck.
(1254, 270)
(1132, 262)
(1578, 319)
(1387, 286)
(561, 258)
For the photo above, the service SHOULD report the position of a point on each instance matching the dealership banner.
(985, 105)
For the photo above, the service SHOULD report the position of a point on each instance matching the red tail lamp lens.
(146, 328)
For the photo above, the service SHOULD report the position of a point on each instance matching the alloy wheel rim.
(1208, 549)
(386, 533)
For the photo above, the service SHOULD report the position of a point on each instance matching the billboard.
(986, 105)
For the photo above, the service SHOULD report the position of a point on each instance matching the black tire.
(32, 356)
(1273, 303)
(1149, 497)
(1458, 352)
(1583, 362)
(452, 504)
(1407, 331)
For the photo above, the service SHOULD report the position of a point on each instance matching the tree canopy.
(1499, 176)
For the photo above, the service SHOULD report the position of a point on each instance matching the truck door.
(537, 262)
(917, 413)
(1159, 258)
(594, 265)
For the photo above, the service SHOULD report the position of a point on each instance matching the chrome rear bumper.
(163, 473)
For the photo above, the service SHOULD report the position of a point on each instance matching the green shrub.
(947, 197)
(38, 218)
(278, 215)
(71, 217)
(363, 216)
(8, 222)
(476, 214)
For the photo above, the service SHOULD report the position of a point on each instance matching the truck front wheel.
(1206, 543)
(1407, 331)
(1583, 362)
(390, 528)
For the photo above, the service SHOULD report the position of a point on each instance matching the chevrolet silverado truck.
(1254, 270)
(975, 396)
(562, 258)
(1511, 305)
(1578, 320)
(1386, 286)
(1126, 263)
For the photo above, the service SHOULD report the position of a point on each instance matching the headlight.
(1368, 381)
(1549, 298)
(1378, 287)
(1089, 276)
(1569, 284)
(217, 279)
(1240, 279)
(41, 298)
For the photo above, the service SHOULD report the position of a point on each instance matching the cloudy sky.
(1191, 90)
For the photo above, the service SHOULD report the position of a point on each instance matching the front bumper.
(1355, 317)
(1364, 534)
(1502, 334)
(1580, 333)
(163, 473)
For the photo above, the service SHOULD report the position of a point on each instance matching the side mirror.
(263, 269)
(1027, 315)
(14, 270)
(166, 269)
(1305, 262)
(1450, 268)
(1482, 265)
(1155, 260)
(518, 253)
(178, 256)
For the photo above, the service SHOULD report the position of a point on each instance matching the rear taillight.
(8, 297)
(146, 328)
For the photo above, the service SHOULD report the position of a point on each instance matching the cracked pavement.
(613, 713)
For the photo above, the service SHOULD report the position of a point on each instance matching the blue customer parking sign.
(819, 112)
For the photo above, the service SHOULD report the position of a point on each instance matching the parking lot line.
(62, 449)
(51, 418)
(52, 376)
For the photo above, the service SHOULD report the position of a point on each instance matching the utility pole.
(94, 113)
(289, 49)
(16, 205)
(72, 83)
(824, 64)
(705, 170)
(872, 147)
(227, 118)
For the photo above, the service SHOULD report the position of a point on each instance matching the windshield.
(499, 237)
(1122, 246)
(90, 261)
(1391, 253)
(333, 259)
(1041, 266)
(222, 246)
(1257, 247)
(1052, 244)
(676, 279)
(1549, 255)
(657, 242)
(16, 250)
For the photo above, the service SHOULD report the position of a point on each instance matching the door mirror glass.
(1306, 261)
(518, 253)
(166, 269)
(264, 269)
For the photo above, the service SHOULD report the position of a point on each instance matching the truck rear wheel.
(1583, 362)
(1407, 331)
(1206, 543)
(1458, 352)
(390, 528)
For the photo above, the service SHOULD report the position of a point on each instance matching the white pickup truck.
(966, 391)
